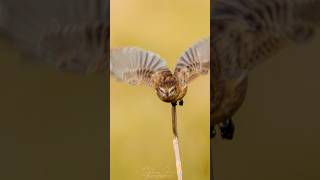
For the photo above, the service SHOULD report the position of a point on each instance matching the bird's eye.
(172, 90)
(162, 90)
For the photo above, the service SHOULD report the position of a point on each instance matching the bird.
(141, 67)
(246, 33)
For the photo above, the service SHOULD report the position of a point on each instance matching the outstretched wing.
(248, 32)
(71, 35)
(194, 61)
(136, 66)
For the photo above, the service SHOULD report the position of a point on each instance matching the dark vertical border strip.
(211, 90)
(108, 86)
(104, 17)
(107, 39)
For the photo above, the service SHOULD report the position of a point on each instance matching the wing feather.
(135, 65)
(248, 32)
(194, 61)
(71, 35)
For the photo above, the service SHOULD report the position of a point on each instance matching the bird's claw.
(212, 132)
(227, 129)
(181, 103)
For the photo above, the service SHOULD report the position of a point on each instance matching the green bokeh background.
(141, 133)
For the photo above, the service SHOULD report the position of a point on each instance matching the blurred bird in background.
(246, 33)
(70, 35)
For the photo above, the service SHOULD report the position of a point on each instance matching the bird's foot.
(174, 104)
(227, 129)
(181, 103)
(212, 132)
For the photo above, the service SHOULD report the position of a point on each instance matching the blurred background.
(277, 128)
(53, 124)
(140, 123)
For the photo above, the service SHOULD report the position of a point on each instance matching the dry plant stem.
(176, 142)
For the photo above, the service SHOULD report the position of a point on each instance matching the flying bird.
(137, 66)
(141, 67)
(245, 33)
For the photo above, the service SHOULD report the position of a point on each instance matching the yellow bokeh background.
(141, 132)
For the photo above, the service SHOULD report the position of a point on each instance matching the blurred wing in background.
(194, 61)
(247, 32)
(71, 35)
(136, 66)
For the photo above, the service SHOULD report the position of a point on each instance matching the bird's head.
(167, 89)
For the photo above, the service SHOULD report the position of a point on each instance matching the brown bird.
(140, 67)
(246, 33)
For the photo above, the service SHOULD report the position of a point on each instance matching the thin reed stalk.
(176, 142)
